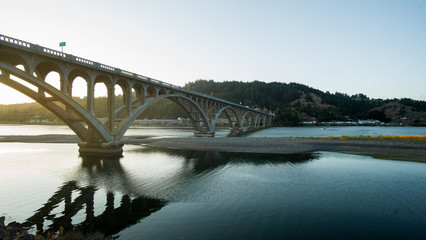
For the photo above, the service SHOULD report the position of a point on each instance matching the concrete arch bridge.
(24, 67)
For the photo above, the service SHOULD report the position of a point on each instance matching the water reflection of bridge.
(96, 175)
(111, 221)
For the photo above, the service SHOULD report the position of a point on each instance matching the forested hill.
(294, 103)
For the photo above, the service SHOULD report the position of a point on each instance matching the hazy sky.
(373, 47)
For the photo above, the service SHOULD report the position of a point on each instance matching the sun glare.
(11, 96)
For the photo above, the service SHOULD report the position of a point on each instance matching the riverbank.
(386, 149)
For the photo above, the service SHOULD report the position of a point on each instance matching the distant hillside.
(34, 112)
(294, 103)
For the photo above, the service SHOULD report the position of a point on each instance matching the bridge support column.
(111, 107)
(128, 102)
(91, 98)
(64, 85)
(114, 149)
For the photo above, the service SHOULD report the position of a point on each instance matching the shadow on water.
(201, 161)
(111, 221)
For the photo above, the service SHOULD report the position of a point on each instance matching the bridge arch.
(14, 59)
(151, 92)
(162, 91)
(43, 68)
(105, 79)
(125, 88)
(139, 92)
(231, 123)
(124, 85)
(178, 99)
(83, 132)
(79, 72)
(248, 118)
(260, 121)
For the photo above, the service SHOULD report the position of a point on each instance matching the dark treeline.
(293, 102)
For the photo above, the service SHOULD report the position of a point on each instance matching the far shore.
(386, 149)
(153, 123)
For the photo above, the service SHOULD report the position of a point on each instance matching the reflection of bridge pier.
(110, 222)
(24, 66)
(71, 207)
(77, 198)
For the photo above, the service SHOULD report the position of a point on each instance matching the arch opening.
(78, 91)
(134, 95)
(151, 92)
(162, 92)
(120, 99)
(53, 78)
(138, 95)
(193, 113)
(100, 100)
(248, 120)
(227, 117)
(163, 113)
(119, 95)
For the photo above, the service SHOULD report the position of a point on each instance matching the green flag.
(62, 44)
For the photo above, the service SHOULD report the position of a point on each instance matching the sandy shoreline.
(398, 150)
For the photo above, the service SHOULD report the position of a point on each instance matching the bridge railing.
(14, 41)
(78, 60)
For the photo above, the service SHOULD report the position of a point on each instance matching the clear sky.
(375, 47)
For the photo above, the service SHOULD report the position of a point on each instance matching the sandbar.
(386, 149)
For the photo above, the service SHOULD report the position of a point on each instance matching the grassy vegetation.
(412, 138)
(72, 235)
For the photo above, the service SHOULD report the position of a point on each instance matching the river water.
(154, 193)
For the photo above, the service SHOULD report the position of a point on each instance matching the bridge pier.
(235, 129)
(251, 128)
(114, 149)
(204, 134)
